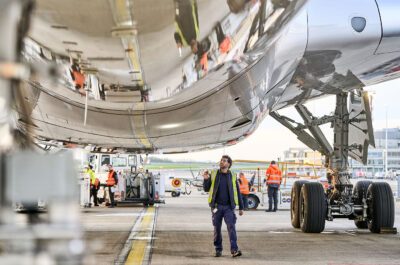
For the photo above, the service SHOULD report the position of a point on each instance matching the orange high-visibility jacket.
(79, 79)
(244, 186)
(273, 175)
(110, 179)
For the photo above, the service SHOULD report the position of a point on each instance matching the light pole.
(386, 145)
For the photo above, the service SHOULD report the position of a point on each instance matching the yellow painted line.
(139, 247)
(122, 11)
(133, 57)
(138, 124)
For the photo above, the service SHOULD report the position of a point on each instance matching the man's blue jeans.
(272, 197)
(228, 214)
(245, 198)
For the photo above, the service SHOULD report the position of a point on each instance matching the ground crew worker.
(244, 190)
(78, 77)
(94, 184)
(224, 196)
(273, 177)
(186, 22)
(112, 181)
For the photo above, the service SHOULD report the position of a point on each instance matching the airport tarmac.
(180, 232)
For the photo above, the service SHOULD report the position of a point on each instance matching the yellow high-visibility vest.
(235, 194)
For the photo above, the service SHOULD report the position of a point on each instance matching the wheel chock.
(388, 230)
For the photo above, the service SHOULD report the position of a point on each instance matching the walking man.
(224, 196)
(273, 177)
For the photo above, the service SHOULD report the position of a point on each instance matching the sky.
(271, 139)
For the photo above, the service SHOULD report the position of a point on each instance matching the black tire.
(361, 224)
(359, 192)
(295, 203)
(178, 194)
(313, 208)
(174, 194)
(380, 207)
(252, 201)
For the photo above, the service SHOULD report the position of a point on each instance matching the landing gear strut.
(370, 205)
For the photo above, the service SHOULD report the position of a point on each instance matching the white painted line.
(144, 238)
(123, 214)
(128, 244)
(134, 250)
(118, 214)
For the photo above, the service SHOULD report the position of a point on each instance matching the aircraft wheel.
(380, 202)
(359, 192)
(313, 208)
(252, 201)
(295, 203)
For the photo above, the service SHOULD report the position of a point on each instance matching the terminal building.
(301, 161)
(375, 167)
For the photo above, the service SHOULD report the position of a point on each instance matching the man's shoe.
(218, 254)
(236, 253)
(269, 210)
(274, 210)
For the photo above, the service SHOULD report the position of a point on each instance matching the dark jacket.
(207, 187)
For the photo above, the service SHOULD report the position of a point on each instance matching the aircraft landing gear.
(370, 205)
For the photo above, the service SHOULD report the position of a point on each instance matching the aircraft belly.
(337, 54)
(222, 108)
(389, 13)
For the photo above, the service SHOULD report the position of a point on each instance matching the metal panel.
(361, 133)
(389, 11)
(47, 177)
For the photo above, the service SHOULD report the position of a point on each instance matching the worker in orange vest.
(244, 190)
(273, 177)
(78, 77)
(112, 181)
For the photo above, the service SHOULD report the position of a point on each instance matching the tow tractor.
(258, 191)
(259, 195)
(173, 185)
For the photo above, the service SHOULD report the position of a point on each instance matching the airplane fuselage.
(306, 51)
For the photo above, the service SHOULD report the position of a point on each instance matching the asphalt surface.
(184, 235)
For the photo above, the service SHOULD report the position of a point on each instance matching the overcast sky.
(271, 138)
